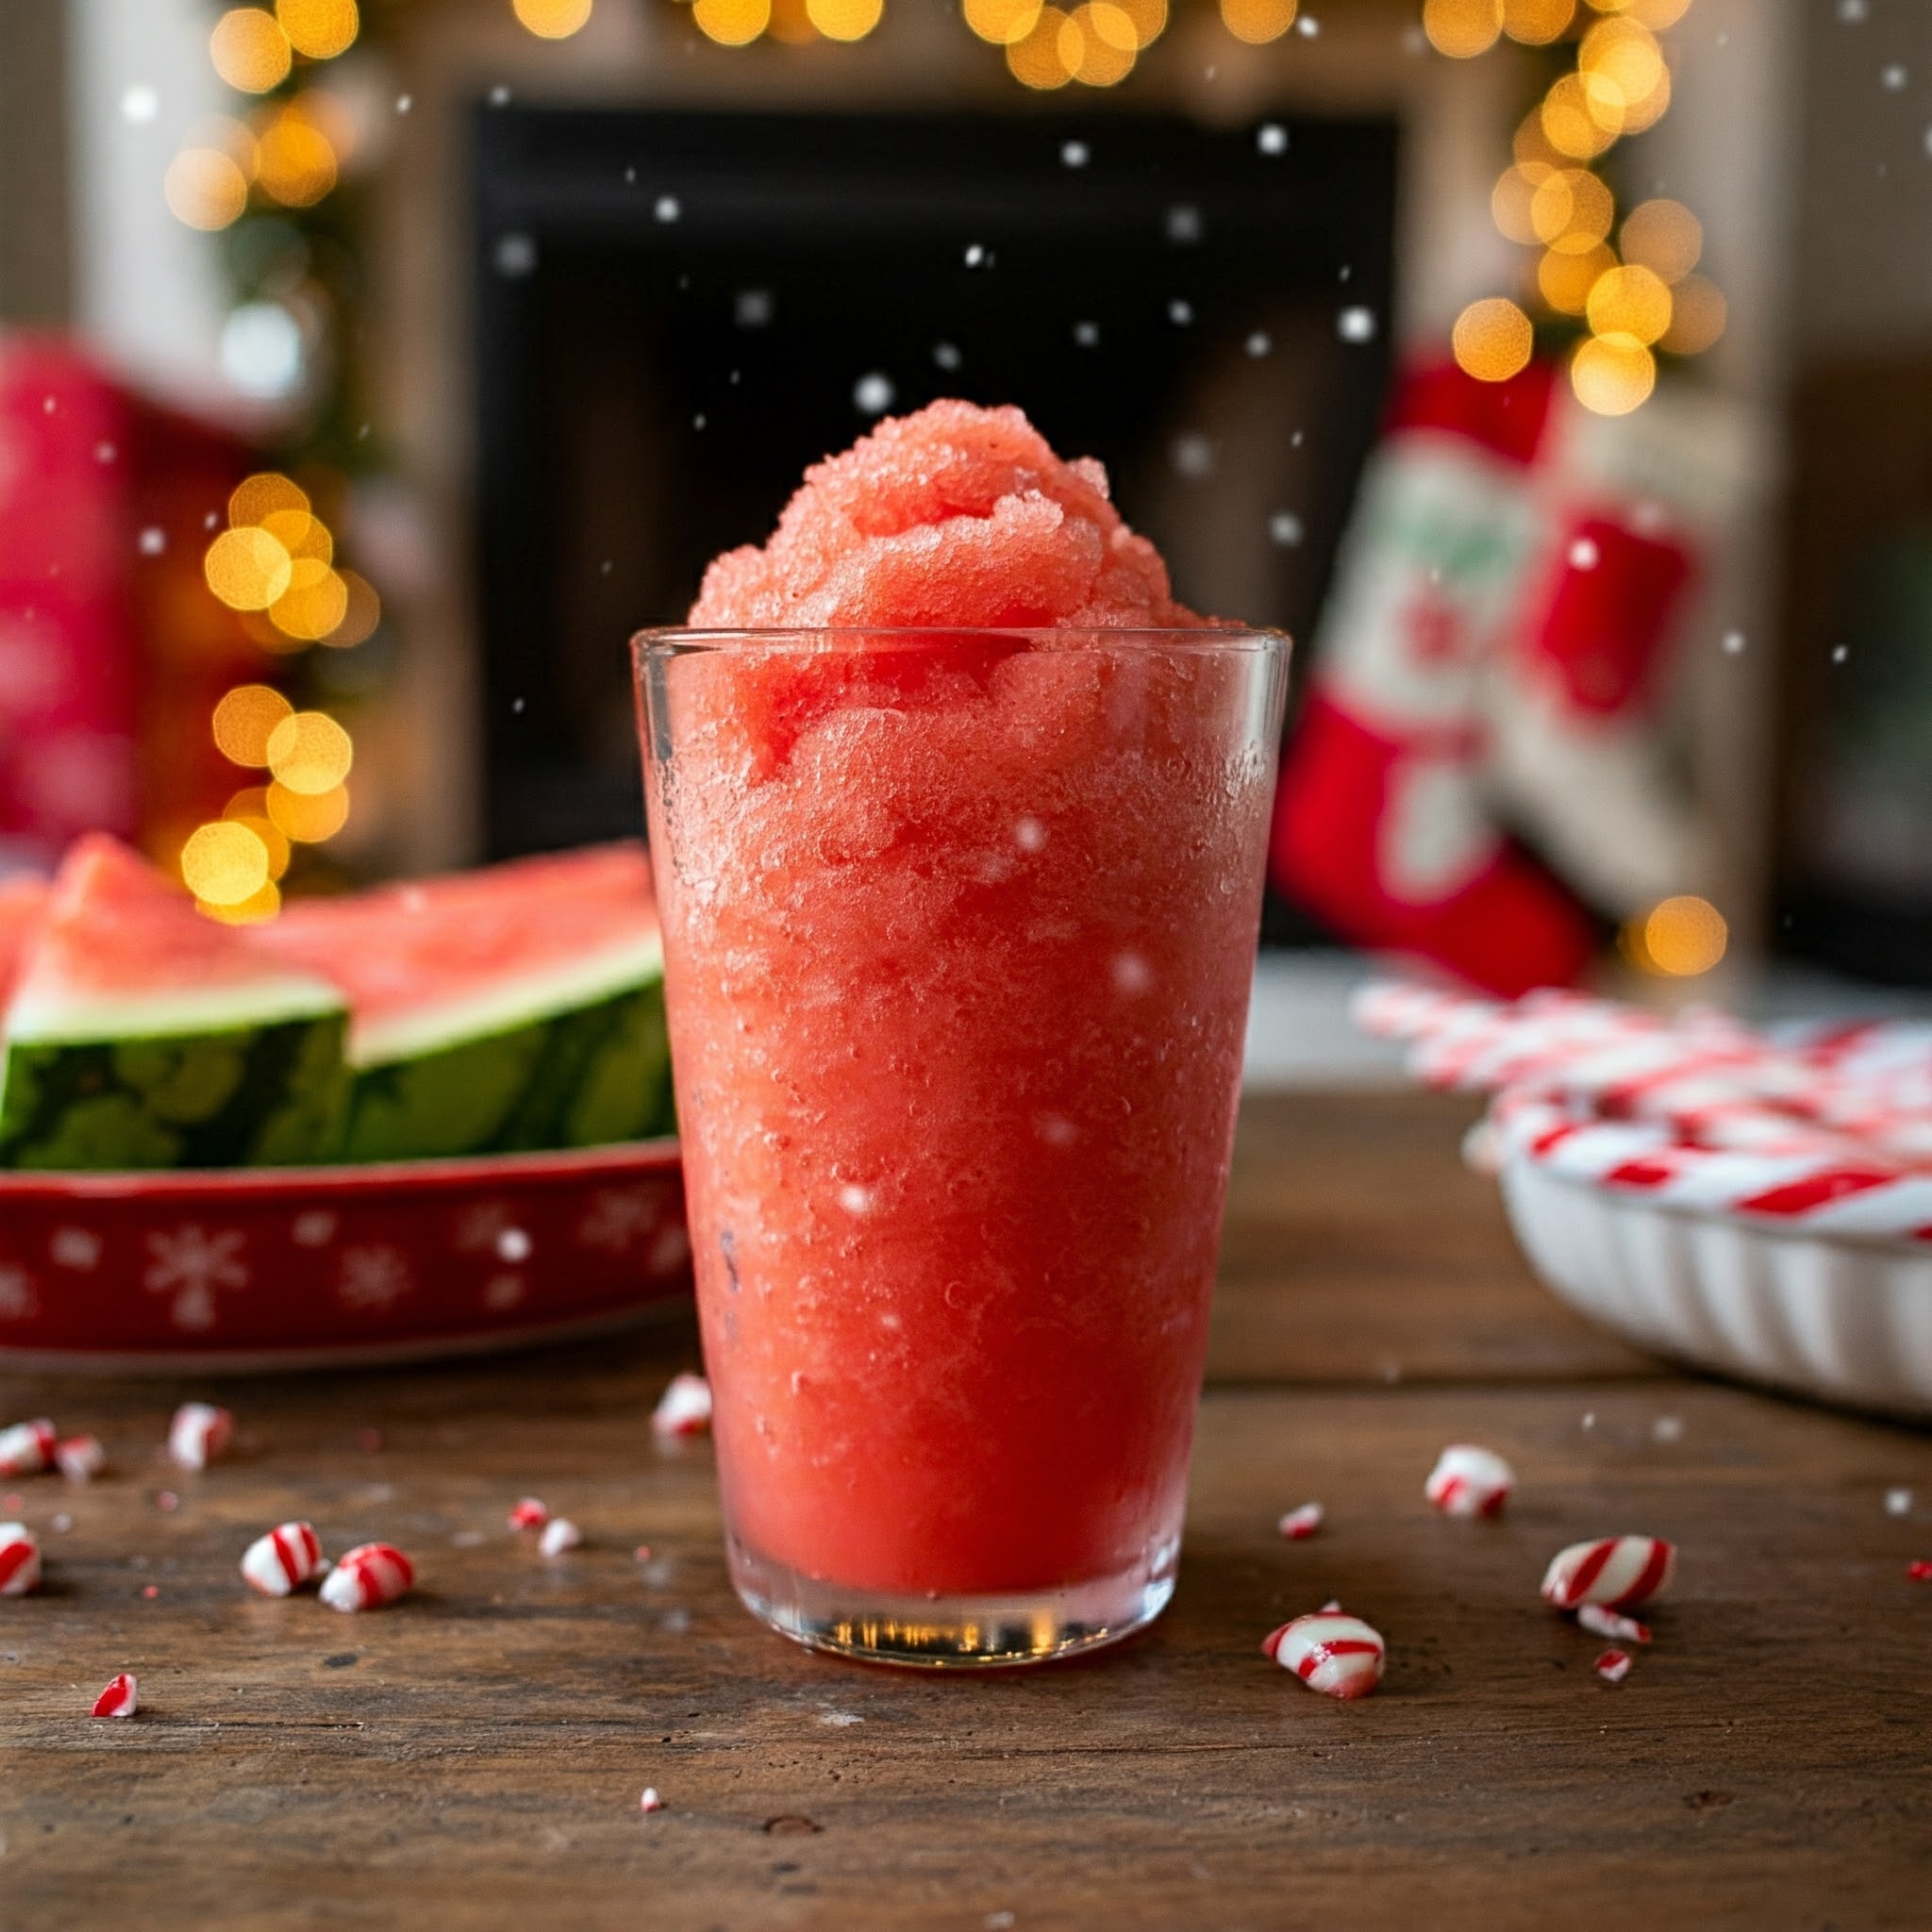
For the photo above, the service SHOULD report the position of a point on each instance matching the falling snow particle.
(1183, 222)
(1840, 653)
(1180, 314)
(139, 103)
(153, 541)
(1075, 153)
(499, 96)
(946, 354)
(404, 102)
(1087, 334)
(1892, 77)
(1898, 1501)
(1355, 324)
(1734, 643)
(1667, 1428)
(1584, 555)
(698, 421)
(1590, 1418)
(666, 207)
(752, 308)
(1272, 138)
(1193, 456)
(1851, 12)
(978, 255)
(873, 393)
(1285, 529)
(516, 706)
(1307, 26)
(998, 1921)
(515, 256)
(1258, 343)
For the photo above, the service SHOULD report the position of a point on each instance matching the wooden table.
(473, 1756)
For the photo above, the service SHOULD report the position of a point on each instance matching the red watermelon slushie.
(958, 822)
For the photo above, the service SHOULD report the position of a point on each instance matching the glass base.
(952, 1633)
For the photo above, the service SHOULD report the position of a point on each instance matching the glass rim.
(672, 640)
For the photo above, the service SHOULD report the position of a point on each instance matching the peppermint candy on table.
(282, 1561)
(121, 1698)
(199, 1435)
(530, 1513)
(559, 1535)
(20, 1560)
(80, 1458)
(1330, 1652)
(26, 1448)
(1301, 1522)
(1613, 1666)
(685, 1407)
(650, 1801)
(1607, 1622)
(1618, 1572)
(367, 1578)
(1470, 1481)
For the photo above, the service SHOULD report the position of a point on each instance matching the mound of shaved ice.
(954, 516)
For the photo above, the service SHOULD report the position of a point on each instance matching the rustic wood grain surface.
(474, 1756)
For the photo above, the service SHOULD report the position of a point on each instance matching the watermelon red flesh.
(139, 1034)
(20, 903)
(516, 1007)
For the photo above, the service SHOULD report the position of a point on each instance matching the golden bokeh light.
(275, 841)
(1002, 22)
(1664, 236)
(1148, 18)
(311, 754)
(1582, 114)
(223, 863)
(1564, 281)
(1258, 22)
(319, 28)
(844, 20)
(300, 534)
(295, 161)
(732, 22)
(1624, 53)
(1655, 14)
(1537, 23)
(1493, 340)
(1681, 936)
(1034, 58)
(555, 19)
(1698, 314)
(314, 603)
(363, 612)
(1462, 29)
(1572, 210)
(1612, 375)
(250, 51)
(204, 189)
(1531, 144)
(245, 720)
(246, 569)
(307, 818)
(1511, 198)
(249, 912)
(1098, 44)
(1631, 301)
(256, 498)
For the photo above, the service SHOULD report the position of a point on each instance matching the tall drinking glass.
(959, 933)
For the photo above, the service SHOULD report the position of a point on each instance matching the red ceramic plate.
(311, 1267)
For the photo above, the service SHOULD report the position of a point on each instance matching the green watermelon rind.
(84, 1018)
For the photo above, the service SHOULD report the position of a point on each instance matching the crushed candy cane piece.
(1336, 1655)
(1608, 1622)
(80, 1458)
(280, 1562)
(199, 1433)
(367, 1578)
(1301, 1522)
(530, 1514)
(642, 1553)
(1470, 1481)
(151, 1591)
(1613, 1666)
(167, 1502)
(685, 1407)
(20, 1560)
(121, 1698)
(560, 1534)
(1619, 1571)
(26, 1448)
(650, 1801)
(1920, 1570)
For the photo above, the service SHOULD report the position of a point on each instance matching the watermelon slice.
(139, 1034)
(21, 901)
(517, 1006)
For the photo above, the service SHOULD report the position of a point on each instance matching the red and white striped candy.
(1618, 1572)
(559, 1535)
(199, 1433)
(1596, 1618)
(1336, 1655)
(121, 1698)
(80, 1458)
(650, 1801)
(26, 1448)
(367, 1578)
(531, 1513)
(1613, 1666)
(282, 1561)
(1301, 1522)
(685, 1407)
(1469, 1481)
(20, 1560)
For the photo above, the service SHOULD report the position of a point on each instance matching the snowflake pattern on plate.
(193, 1266)
(618, 1217)
(78, 1248)
(18, 1302)
(374, 1277)
(481, 1227)
(314, 1227)
(671, 1250)
(503, 1292)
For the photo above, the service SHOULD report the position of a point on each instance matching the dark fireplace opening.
(676, 313)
